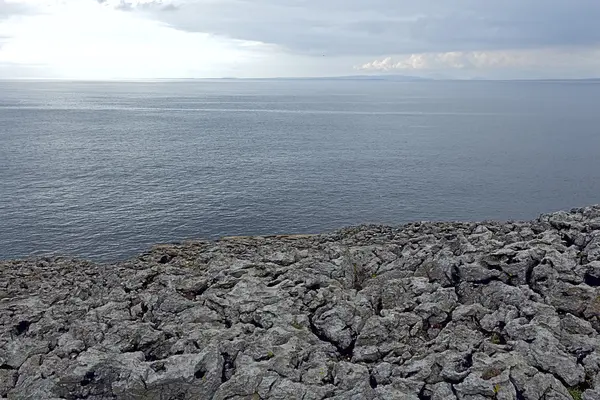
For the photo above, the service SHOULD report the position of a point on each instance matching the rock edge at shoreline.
(448, 310)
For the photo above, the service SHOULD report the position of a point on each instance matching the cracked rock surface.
(436, 311)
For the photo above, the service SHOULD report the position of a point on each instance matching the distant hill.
(398, 78)
(395, 78)
(407, 78)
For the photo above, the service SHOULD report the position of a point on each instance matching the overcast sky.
(138, 39)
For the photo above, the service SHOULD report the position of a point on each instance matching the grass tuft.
(575, 393)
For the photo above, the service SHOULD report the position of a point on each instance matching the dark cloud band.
(372, 27)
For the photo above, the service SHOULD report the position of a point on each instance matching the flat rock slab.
(483, 310)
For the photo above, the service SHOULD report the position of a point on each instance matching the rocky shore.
(435, 311)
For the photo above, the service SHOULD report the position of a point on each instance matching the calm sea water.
(104, 170)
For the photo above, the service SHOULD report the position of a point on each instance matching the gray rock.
(8, 380)
(435, 311)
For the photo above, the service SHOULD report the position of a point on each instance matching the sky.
(153, 39)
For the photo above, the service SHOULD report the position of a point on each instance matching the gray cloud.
(463, 36)
(375, 27)
(7, 9)
(147, 5)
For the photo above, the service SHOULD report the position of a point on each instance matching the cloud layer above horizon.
(246, 38)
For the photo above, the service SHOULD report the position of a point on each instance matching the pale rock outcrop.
(433, 311)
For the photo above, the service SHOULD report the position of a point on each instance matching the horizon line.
(381, 77)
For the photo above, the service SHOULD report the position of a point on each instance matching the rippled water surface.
(104, 170)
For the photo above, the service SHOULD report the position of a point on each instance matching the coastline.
(427, 310)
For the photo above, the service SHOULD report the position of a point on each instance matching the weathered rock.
(423, 311)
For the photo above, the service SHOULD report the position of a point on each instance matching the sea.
(104, 170)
